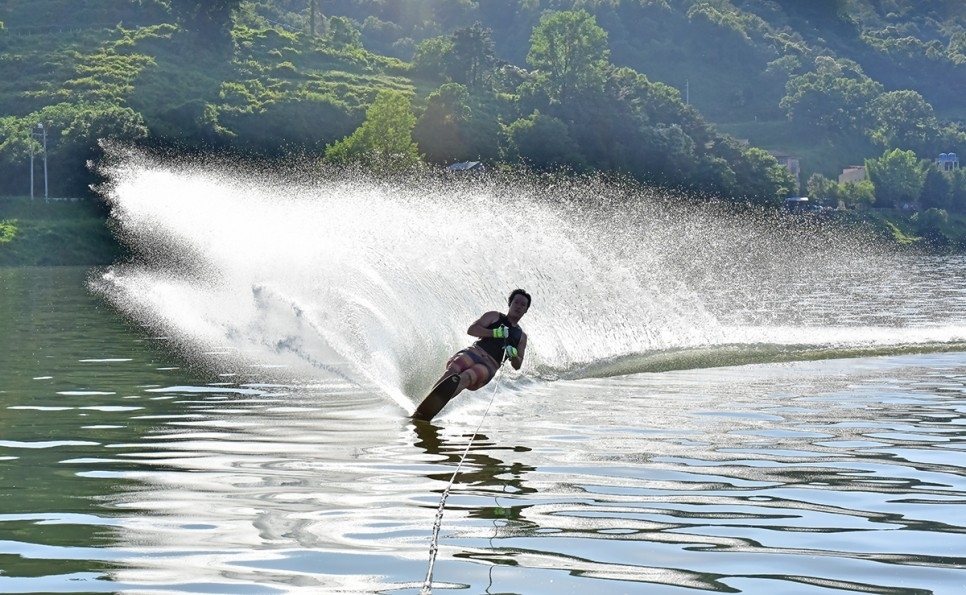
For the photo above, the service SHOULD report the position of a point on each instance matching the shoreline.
(59, 232)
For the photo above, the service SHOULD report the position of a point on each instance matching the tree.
(439, 130)
(937, 190)
(210, 21)
(342, 34)
(541, 141)
(833, 99)
(820, 188)
(432, 56)
(81, 138)
(471, 55)
(452, 13)
(74, 131)
(856, 194)
(384, 139)
(897, 176)
(959, 191)
(760, 177)
(930, 224)
(570, 50)
(903, 119)
(465, 57)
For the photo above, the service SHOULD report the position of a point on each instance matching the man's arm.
(517, 361)
(478, 329)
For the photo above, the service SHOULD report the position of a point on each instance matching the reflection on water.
(121, 472)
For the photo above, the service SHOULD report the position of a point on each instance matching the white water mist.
(372, 283)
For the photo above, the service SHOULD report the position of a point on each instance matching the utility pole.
(313, 10)
(43, 132)
(31, 169)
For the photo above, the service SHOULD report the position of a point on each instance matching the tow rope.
(434, 545)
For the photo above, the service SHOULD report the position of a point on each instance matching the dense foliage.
(33, 233)
(626, 86)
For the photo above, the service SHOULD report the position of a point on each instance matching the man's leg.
(462, 372)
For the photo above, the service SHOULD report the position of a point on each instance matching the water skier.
(500, 338)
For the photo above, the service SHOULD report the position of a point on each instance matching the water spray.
(331, 273)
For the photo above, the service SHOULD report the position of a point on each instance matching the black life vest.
(494, 347)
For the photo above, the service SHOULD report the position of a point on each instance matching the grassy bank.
(914, 230)
(58, 233)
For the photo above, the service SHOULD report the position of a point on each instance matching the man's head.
(523, 295)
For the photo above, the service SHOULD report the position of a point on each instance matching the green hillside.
(662, 91)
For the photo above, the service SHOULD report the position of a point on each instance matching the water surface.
(125, 472)
(710, 403)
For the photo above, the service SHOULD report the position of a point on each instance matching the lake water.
(227, 413)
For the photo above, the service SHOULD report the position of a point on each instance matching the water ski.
(437, 398)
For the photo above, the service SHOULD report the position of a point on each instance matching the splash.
(371, 283)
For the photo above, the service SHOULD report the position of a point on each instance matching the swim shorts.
(478, 367)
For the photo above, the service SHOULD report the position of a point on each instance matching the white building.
(853, 173)
(948, 161)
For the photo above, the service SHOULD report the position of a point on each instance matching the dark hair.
(517, 292)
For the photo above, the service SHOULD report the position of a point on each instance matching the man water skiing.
(500, 338)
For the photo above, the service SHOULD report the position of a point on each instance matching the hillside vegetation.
(60, 233)
(685, 93)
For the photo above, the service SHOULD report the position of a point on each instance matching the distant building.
(948, 162)
(789, 162)
(853, 173)
(466, 166)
